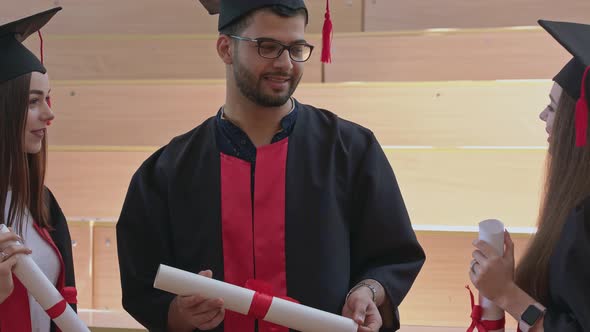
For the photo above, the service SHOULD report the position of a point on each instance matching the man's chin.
(276, 100)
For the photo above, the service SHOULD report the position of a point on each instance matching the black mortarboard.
(231, 10)
(15, 58)
(575, 38)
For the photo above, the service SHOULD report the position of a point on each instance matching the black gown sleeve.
(384, 245)
(61, 237)
(570, 276)
(143, 243)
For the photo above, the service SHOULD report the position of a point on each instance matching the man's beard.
(252, 88)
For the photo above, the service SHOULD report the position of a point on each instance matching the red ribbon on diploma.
(69, 295)
(477, 322)
(262, 298)
(57, 309)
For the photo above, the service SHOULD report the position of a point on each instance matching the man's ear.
(212, 6)
(224, 49)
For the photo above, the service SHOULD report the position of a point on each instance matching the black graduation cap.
(575, 38)
(15, 58)
(231, 10)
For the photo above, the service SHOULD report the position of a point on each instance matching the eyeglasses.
(272, 49)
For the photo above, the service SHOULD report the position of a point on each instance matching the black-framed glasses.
(272, 49)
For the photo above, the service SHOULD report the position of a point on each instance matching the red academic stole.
(254, 236)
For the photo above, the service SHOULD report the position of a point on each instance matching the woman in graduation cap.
(29, 208)
(550, 288)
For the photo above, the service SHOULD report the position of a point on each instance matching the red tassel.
(41, 39)
(42, 56)
(582, 114)
(327, 36)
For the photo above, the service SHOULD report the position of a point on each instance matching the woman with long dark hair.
(550, 288)
(28, 207)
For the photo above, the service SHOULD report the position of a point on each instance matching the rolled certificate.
(239, 299)
(37, 284)
(492, 232)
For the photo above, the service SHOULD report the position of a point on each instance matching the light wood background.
(386, 15)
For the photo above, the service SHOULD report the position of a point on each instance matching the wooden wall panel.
(130, 58)
(161, 17)
(483, 55)
(441, 114)
(92, 185)
(480, 55)
(439, 297)
(440, 187)
(81, 235)
(107, 282)
(143, 58)
(388, 15)
(437, 114)
(139, 53)
(121, 17)
(464, 187)
(130, 115)
(112, 321)
(347, 15)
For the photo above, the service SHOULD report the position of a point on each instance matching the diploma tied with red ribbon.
(488, 317)
(50, 299)
(256, 303)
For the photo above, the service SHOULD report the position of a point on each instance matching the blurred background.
(451, 88)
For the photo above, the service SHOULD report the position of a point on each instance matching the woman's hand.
(490, 273)
(9, 252)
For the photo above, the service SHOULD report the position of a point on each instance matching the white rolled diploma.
(492, 232)
(37, 284)
(282, 312)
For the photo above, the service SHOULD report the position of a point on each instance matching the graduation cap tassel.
(41, 46)
(327, 36)
(41, 53)
(582, 113)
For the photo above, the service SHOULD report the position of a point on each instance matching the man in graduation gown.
(271, 190)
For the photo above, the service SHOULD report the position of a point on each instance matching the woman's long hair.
(567, 184)
(20, 172)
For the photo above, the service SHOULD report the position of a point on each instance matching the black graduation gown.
(15, 314)
(344, 217)
(60, 234)
(568, 309)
